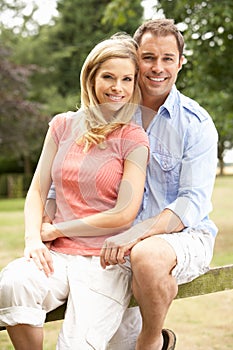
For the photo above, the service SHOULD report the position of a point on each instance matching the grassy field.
(201, 323)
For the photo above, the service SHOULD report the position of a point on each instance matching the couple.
(98, 159)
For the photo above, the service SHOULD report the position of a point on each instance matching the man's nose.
(157, 66)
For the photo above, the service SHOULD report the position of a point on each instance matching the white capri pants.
(97, 298)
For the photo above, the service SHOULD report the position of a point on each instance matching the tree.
(54, 53)
(207, 76)
(123, 15)
(20, 120)
(80, 25)
(61, 48)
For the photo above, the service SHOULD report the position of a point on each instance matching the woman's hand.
(49, 232)
(37, 250)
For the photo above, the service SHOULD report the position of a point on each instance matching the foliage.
(61, 47)
(54, 53)
(207, 75)
(19, 117)
(80, 25)
(125, 15)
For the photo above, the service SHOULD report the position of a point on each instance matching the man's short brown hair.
(160, 27)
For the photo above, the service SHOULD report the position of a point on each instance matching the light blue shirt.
(183, 161)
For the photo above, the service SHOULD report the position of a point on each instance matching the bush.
(14, 185)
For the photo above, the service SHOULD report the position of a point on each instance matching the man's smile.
(158, 80)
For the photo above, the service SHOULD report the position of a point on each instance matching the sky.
(46, 9)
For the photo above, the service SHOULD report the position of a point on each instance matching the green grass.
(11, 205)
(223, 218)
(201, 323)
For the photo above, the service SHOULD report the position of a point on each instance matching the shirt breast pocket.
(166, 169)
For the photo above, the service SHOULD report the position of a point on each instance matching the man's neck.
(152, 102)
(150, 108)
(147, 115)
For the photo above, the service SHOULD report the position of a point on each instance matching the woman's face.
(114, 82)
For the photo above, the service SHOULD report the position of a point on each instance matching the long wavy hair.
(97, 127)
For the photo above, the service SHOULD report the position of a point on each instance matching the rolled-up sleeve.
(198, 172)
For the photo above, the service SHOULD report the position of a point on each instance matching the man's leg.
(154, 288)
(25, 337)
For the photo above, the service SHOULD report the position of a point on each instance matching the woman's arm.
(34, 207)
(116, 219)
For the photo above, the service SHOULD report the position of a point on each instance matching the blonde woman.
(97, 158)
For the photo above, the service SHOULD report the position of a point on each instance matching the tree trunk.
(27, 165)
(221, 166)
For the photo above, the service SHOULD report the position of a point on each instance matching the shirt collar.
(167, 109)
(170, 103)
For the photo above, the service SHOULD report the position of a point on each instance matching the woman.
(96, 157)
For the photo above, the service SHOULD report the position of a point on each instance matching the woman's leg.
(26, 294)
(96, 304)
(25, 337)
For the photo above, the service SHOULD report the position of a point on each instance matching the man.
(173, 241)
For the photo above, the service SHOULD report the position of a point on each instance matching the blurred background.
(43, 45)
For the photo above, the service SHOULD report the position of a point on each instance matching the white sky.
(46, 9)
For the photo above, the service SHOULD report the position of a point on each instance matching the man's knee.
(150, 252)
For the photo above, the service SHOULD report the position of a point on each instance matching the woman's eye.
(107, 76)
(148, 58)
(128, 79)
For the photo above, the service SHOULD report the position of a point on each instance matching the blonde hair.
(97, 128)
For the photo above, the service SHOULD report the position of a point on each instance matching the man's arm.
(49, 211)
(192, 204)
(117, 246)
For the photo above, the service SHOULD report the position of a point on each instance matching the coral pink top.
(87, 183)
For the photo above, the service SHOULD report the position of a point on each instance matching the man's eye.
(168, 59)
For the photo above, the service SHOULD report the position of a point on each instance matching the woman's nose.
(117, 86)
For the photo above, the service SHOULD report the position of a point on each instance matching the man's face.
(159, 65)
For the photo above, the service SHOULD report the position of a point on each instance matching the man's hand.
(116, 247)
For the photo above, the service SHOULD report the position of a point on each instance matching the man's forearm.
(166, 222)
(50, 210)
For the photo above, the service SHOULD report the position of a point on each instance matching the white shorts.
(194, 252)
(97, 298)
